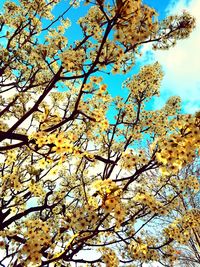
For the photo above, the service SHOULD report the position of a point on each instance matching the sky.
(181, 64)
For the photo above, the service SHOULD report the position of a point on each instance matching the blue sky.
(180, 64)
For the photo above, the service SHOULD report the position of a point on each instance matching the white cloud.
(181, 63)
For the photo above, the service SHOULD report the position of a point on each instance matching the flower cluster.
(83, 218)
(37, 189)
(139, 250)
(182, 185)
(183, 228)
(95, 107)
(73, 60)
(135, 22)
(47, 119)
(180, 27)
(145, 84)
(110, 199)
(179, 148)
(109, 257)
(60, 141)
(11, 181)
(149, 200)
(11, 156)
(130, 160)
(37, 236)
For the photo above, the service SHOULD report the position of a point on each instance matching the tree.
(72, 180)
(189, 251)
